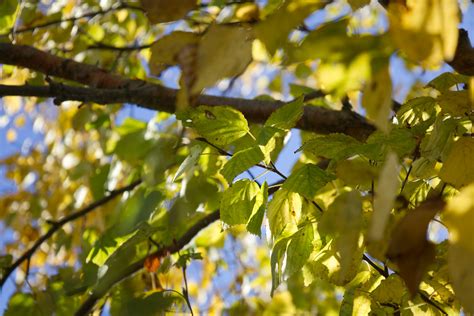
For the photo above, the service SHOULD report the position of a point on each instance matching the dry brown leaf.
(409, 248)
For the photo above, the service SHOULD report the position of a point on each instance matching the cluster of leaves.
(350, 220)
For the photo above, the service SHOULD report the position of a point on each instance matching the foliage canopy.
(186, 208)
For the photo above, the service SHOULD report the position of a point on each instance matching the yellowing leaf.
(458, 169)
(377, 98)
(159, 11)
(284, 212)
(164, 51)
(224, 51)
(385, 193)
(274, 30)
(425, 30)
(456, 103)
(459, 218)
(409, 248)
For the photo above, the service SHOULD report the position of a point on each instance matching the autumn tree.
(298, 156)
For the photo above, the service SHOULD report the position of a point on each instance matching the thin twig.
(56, 225)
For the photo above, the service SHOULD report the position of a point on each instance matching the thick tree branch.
(157, 97)
(463, 61)
(96, 295)
(56, 225)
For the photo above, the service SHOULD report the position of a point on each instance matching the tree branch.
(174, 247)
(157, 97)
(56, 225)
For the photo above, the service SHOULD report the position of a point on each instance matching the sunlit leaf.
(224, 51)
(377, 98)
(286, 116)
(284, 212)
(219, 125)
(307, 180)
(241, 161)
(385, 193)
(238, 201)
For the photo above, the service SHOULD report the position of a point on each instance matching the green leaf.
(224, 51)
(307, 180)
(219, 125)
(417, 110)
(151, 303)
(241, 161)
(399, 140)
(457, 103)
(447, 80)
(159, 11)
(458, 169)
(8, 12)
(391, 290)
(23, 304)
(238, 201)
(333, 146)
(98, 181)
(299, 249)
(5, 261)
(439, 140)
(254, 225)
(137, 209)
(276, 262)
(287, 116)
(284, 212)
(274, 30)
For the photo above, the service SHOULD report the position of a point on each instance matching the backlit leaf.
(377, 98)
(425, 30)
(274, 30)
(241, 161)
(219, 125)
(224, 51)
(458, 169)
(385, 193)
(286, 116)
(307, 180)
(284, 212)
(238, 201)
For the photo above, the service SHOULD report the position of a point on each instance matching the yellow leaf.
(425, 30)
(224, 51)
(385, 193)
(377, 98)
(11, 135)
(459, 218)
(274, 30)
(458, 169)
(159, 11)
(164, 51)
